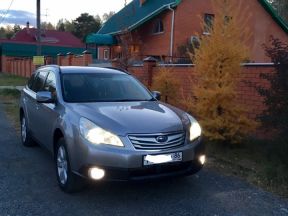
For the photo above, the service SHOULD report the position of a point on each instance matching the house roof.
(135, 14)
(274, 15)
(48, 37)
(101, 39)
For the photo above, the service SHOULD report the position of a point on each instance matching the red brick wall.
(101, 52)
(247, 95)
(155, 44)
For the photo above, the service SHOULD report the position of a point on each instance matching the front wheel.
(67, 180)
(26, 138)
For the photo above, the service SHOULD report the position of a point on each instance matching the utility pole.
(38, 37)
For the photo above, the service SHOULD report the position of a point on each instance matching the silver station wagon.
(103, 124)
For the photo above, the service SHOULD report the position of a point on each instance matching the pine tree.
(217, 70)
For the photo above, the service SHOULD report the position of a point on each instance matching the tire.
(67, 180)
(26, 137)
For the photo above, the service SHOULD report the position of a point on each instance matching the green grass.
(12, 80)
(260, 162)
(10, 100)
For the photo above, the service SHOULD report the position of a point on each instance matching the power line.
(7, 11)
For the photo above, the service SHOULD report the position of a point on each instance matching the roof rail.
(119, 69)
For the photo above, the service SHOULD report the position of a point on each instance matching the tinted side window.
(39, 81)
(31, 80)
(50, 84)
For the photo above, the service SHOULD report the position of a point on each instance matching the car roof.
(82, 69)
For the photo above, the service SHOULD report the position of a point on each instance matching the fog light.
(202, 159)
(96, 173)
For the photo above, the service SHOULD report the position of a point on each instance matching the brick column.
(60, 57)
(115, 63)
(48, 60)
(149, 63)
(87, 58)
(70, 58)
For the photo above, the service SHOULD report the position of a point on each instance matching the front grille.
(149, 141)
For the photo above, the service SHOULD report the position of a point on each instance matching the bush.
(276, 96)
(168, 84)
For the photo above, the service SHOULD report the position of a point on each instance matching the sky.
(20, 11)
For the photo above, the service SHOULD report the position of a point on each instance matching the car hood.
(124, 118)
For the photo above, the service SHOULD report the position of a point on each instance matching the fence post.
(87, 57)
(59, 58)
(70, 58)
(149, 63)
(115, 63)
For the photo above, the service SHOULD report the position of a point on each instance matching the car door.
(32, 106)
(47, 113)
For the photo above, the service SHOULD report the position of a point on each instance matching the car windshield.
(102, 87)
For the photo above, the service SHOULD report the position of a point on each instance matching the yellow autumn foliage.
(165, 82)
(217, 68)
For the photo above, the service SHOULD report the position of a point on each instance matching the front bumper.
(148, 173)
(122, 164)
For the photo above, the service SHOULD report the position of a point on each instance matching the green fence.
(29, 50)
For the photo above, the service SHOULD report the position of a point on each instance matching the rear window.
(102, 87)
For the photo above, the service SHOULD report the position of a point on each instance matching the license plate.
(164, 158)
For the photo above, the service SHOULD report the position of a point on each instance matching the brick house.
(159, 28)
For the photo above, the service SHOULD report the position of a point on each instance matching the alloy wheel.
(23, 130)
(62, 165)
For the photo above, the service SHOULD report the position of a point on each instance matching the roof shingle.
(135, 14)
(49, 37)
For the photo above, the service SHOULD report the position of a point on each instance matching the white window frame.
(106, 54)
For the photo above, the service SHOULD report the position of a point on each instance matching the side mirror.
(156, 95)
(44, 97)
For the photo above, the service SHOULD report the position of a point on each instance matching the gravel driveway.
(28, 187)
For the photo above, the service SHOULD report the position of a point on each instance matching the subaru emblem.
(161, 139)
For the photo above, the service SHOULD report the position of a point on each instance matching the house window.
(134, 48)
(208, 23)
(158, 27)
(227, 19)
(106, 54)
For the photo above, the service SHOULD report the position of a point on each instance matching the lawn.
(9, 98)
(12, 80)
(263, 163)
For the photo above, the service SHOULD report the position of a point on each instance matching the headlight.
(195, 129)
(97, 135)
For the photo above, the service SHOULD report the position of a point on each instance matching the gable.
(135, 14)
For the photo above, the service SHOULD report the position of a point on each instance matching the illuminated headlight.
(96, 173)
(97, 135)
(195, 129)
(202, 159)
